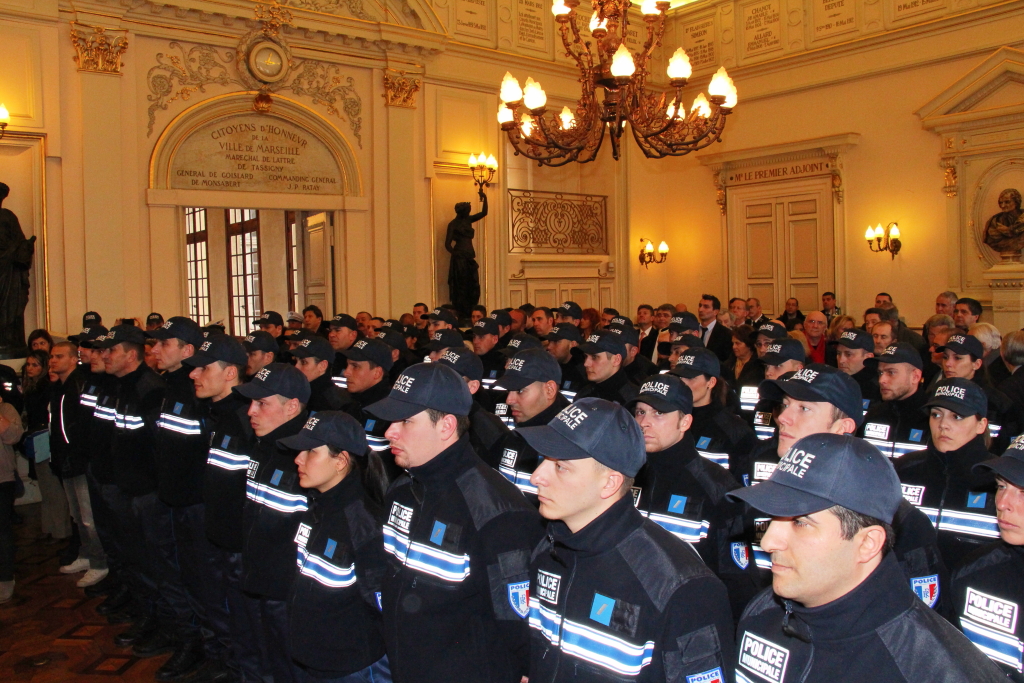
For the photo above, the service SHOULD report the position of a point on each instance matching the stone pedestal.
(1006, 280)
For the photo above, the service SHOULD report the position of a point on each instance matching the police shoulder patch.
(712, 676)
(740, 554)
(926, 588)
(518, 597)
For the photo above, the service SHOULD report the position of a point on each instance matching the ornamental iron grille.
(557, 223)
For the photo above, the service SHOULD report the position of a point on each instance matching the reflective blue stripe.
(740, 678)
(545, 620)
(420, 557)
(340, 382)
(128, 421)
(605, 650)
(896, 449)
(520, 479)
(275, 499)
(104, 413)
(764, 432)
(717, 458)
(932, 513)
(227, 461)
(689, 530)
(762, 559)
(87, 400)
(180, 425)
(994, 430)
(1001, 647)
(971, 523)
(377, 443)
(322, 571)
(570, 396)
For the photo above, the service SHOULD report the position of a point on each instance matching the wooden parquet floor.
(49, 631)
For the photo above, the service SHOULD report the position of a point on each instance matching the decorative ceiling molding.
(780, 154)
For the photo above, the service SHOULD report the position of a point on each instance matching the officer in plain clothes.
(613, 596)
(839, 608)
(458, 537)
(988, 589)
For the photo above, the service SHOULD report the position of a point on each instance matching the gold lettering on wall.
(700, 44)
(762, 27)
(832, 17)
(532, 22)
(901, 9)
(799, 169)
(471, 18)
(97, 50)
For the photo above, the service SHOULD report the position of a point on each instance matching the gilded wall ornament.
(179, 76)
(97, 50)
(324, 84)
(400, 91)
(352, 7)
(950, 178)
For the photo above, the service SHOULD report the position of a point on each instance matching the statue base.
(1006, 280)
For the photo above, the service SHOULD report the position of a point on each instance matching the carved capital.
(950, 177)
(98, 49)
(399, 90)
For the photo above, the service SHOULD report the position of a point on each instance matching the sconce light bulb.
(879, 231)
(649, 7)
(870, 234)
(701, 106)
(720, 84)
(649, 247)
(894, 232)
(472, 161)
(597, 23)
(5, 116)
(559, 8)
(527, 125)
(491, 162)
(567, 118)
(534, 96)
(663, 248)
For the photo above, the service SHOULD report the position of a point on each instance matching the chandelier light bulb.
(527, 125)
(649, 247)
(649, 7)
(701, 107)
(622, 63)
(559, 8)
(510, 90)
(662, 248)
(719, 83)
(679, 65)
(505, 114)
(492, 162)
(894, 232)
(5, 116)
(472, 160)
(596, 23)
(733, 97)
(567, 118)
(534, 96)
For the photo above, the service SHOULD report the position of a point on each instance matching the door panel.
(316, 261)
(760, 259)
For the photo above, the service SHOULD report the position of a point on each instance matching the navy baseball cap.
(621, 321)
(960, 395)
(269, 318)
(628, 333)
(527, 367)
(464, 362)
(392, 323)
(154, 317)
(819, 383)
(260, 341)
(179, 327)
(772, 330)
(565, 331)
(91, 319)
(781, 350)
(486, 326)
(681, 322)
(332, 428)
(118, 334)
(592, 428)
(604, 340)
(315, 346)
(502, 317)
(442, 314)
(216, 328)
(1009, 465)
(822, 470)
(571, 309)
(88, 335)
(217, 347)
(901, 352)
(665, 393)
(520, 342)
(962, 344)
(424, 386)
(443, 339)
(344, 320)
(690, 341)
(276, 379)
(393, 337)
(373, 350)
(855, 339)
(697, 361)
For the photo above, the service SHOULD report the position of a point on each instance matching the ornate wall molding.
(98, 49)
(399, 90)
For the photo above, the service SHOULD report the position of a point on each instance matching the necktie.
(703, 334)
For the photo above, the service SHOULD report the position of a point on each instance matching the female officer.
(334, 610)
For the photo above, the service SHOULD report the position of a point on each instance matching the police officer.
(780, 356)
(92, 319)
(486, 336)
(458, 537)
(855, 351)
(504, 320)
(272, 323)
(563, 344)
(401, 356)
(596, 570)
(261, 350)
(366, 375)
(839, 608)
(720, 435)
(334, 610)
(939, 480)
(216, 369)
(441, 340)
(637, 367)
(964, 356)
(533, 399)
(153, 321)
(273, 507)
(606, 375)
(181, 448)
(989, 588)
(898, 424)
(497, 399)
(685, 493)
(441, 319)
(342, 333)
(485, 428)
(313, 357)
(568, 313)
(681, 327)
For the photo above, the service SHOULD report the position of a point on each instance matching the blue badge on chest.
(601, 610)
(677, 504)
(865, 403)
(437, 533)
(178, 407)
(976, 499)
(276, 478)
(566, 383)
(225, 441)
(916, 435)
(704, 442)
(369, 425)
(494, 374)
(330, 548)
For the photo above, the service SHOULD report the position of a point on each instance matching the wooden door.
(317, 262)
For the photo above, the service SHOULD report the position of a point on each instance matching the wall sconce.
(884, 239)
(647, 252)
(5, 118)
(483, 168)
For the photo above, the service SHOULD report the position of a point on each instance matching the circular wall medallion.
(267, 62)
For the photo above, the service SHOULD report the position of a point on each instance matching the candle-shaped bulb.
(622, 62)
(510, 90)
(679, 65)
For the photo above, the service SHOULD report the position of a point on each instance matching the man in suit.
(716, 337)
(754, 314)
(647, 328)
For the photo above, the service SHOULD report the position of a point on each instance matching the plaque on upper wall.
(762, 27)
(533, 22)
(255, 153)
(833, 17)
(904, 9)
(700, 43)
(472, 19)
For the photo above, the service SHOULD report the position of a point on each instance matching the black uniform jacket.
(373, 426)
(640, 369)
(458, 537)
(100, 395)
(685, 494)
(227, 462)
(485, 430)
(136, 410)
(623, 600)
(334, 611)
(878, 632)
(515, 458)
(273, 507)
(960, 503)
(325, 395)
(574, 375)
(722, 437)
(988, 591)
(898, 427)
(70, 420)
(617, 389)
(183, 440)
(1005, 418)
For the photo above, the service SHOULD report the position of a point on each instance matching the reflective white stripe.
(762, 559)
(569, 395)
(740, 678)
(764, 432)
(994, 430)
(691, 531)
(62, 430)
(971, 523)
(605, 649)
(87, 400)
(104, 413)
(545, 620)
(128, 421)
(275, 499)
(340, 382)
(322, 571)
(377, 443)
(933, 514)
(180, 425)
(717, 458)
(520, 479)
(420, 557)
(226, 460)
(1000, 647)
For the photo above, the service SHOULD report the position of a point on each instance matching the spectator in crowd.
(35, 416)
(590, 322)
(737, 312)
(966, 312)
(1012, 351)
(883, 300)
(871, 316)
(792, 318)
(829, 307)
(945, 303)
(39, 340)
(991, 340)
(815, 323)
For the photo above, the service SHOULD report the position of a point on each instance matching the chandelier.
(658, 120)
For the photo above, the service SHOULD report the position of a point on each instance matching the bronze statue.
(1004, 231)
(464, 273)
(15, 260)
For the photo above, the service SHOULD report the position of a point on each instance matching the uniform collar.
(446, 465)
(676, 457)
(548, 414)
(289, 428)
(960, 461)
(615, 382)
(339, 496)
(374, 393)
(602, 534)
(913, 404)
(229, 404)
